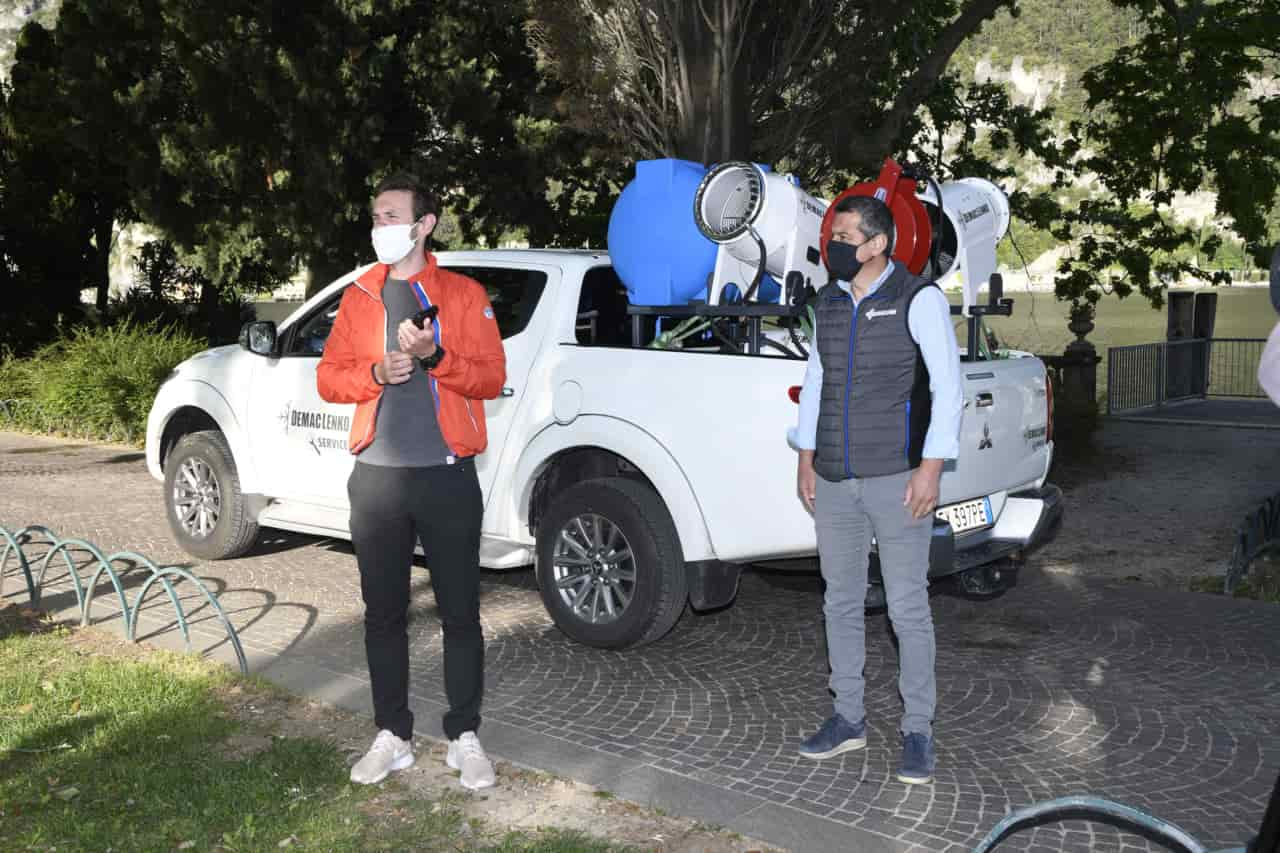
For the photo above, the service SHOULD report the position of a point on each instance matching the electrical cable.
(755, 282)
(1031, 315)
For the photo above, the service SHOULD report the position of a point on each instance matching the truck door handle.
(508, 391)
(984, 400)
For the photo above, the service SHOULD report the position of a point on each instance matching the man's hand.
(807, 479)
(922, 489)
(395, 368)
(420, 343)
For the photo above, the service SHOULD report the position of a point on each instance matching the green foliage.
(1262, 583)
(1175, 111)
(77, 148)
(95, 382)
(252, 140)
(1050, 36)
(286, 127)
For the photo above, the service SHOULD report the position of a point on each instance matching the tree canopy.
(1192, 104)
(829, 88)
(251, 136)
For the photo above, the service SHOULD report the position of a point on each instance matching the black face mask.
(842, 260)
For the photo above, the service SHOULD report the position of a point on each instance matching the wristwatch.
(430, 362)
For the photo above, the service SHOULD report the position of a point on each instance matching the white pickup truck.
(636, 480)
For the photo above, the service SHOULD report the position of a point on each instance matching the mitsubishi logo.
(984, 443)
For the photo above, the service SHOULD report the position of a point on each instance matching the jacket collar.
(375, 278)
(888, 271)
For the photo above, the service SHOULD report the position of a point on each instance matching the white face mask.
(392, 243)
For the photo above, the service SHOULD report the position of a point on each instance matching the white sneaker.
(466, 754)
(387, 753)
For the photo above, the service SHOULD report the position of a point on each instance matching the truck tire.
(609, 564)
(206, 510)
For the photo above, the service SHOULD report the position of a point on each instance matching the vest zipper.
(848, 377)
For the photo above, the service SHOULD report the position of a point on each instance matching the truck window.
(310, 334)
(513, 292)
(602, 310)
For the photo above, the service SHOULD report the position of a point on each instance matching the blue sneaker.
(837, 735)
(918, 759)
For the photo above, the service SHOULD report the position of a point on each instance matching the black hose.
(724, 342)
(795, 340)
(755, 282)
(779, 347)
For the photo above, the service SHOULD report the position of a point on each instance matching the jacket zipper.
(368, 433)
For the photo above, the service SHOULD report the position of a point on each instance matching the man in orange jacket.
(418, 425)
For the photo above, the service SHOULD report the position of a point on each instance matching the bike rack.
(13, 545)
(1258, 531)
(1096, 808)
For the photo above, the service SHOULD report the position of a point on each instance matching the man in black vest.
(879, 414)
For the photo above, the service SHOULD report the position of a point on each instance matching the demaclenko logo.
(303, 419)
(970, 215)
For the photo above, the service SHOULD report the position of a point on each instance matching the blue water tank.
(656, 248)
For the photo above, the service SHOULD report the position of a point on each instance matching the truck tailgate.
(1003, 434)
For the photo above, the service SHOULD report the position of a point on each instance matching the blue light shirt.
(929, 321)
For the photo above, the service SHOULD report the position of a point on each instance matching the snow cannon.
(767, 231)
(947, 233)
(656, 249)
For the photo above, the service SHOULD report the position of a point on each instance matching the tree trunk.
(714, 125)
(321, 272)
(102, 231)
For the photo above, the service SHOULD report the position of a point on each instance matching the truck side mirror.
(259, 337)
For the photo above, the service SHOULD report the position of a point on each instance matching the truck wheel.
(609, 564)
(203, 503)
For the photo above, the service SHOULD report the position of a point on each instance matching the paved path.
(1163, 700)
(1249, 414)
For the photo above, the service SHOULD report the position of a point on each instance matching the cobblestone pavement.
(1161, 699)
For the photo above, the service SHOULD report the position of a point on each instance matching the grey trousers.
(848, 514)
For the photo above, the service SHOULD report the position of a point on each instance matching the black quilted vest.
(875, 387)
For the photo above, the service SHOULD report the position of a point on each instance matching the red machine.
(914, 231)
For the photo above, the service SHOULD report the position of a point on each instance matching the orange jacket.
(474, 366)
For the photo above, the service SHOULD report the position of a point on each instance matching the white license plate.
(967, 516)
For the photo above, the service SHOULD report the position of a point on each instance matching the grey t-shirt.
(408, 431)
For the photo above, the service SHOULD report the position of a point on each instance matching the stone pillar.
(1076, 400)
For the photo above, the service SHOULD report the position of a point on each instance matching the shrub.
(97, 382)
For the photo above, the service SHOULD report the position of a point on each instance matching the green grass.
(1261, 583)
(1039, 322)
(102, 752)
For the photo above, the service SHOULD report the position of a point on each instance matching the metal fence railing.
(1233, 367)
(1141, 376)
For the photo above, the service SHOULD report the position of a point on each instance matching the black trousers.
(441, 507)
